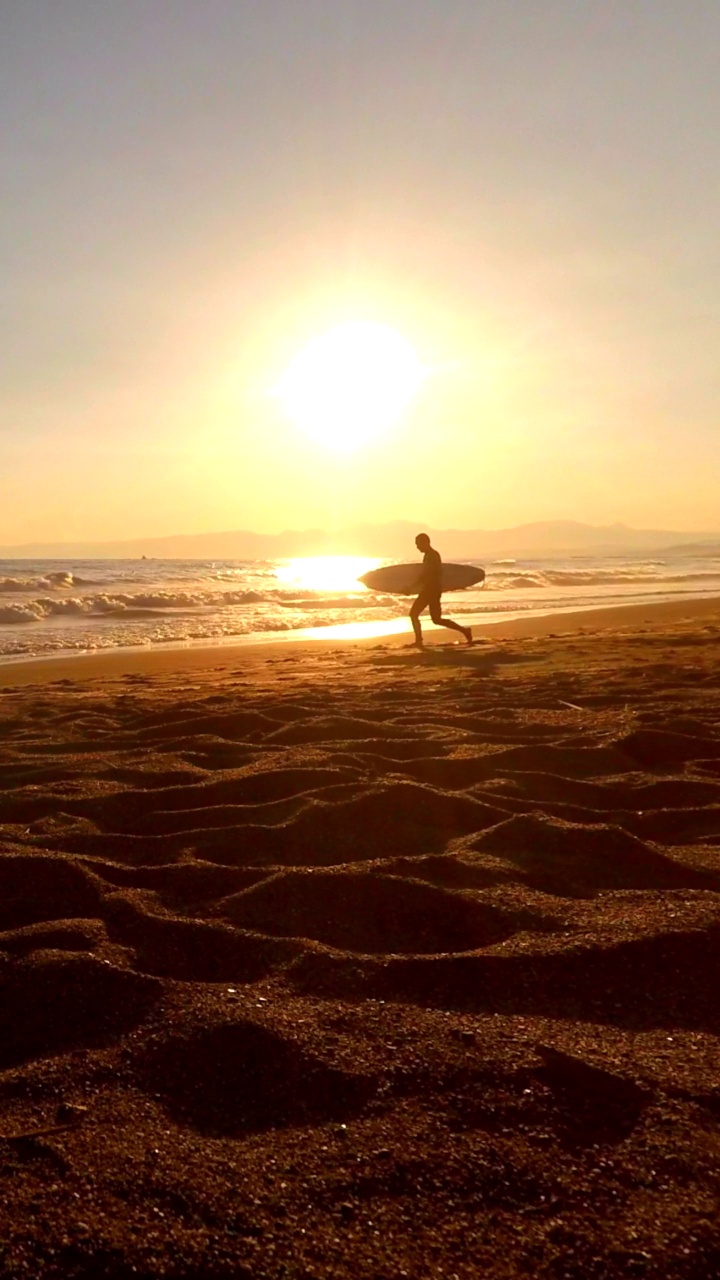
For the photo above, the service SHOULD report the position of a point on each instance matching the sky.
(527, 191)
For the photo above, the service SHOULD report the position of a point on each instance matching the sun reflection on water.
(326, 573)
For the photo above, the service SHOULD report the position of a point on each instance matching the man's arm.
(419, 583)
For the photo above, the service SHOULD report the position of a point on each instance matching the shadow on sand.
(476, 659)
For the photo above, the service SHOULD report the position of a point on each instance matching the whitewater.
(53, 607)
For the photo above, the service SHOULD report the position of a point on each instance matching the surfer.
(429, 587)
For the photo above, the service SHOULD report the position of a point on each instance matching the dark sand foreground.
(357, 962)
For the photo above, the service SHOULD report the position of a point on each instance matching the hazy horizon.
(525, 194)
(394, 538)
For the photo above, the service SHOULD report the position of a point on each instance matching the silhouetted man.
(429, 585)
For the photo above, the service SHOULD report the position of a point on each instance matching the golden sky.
(527, 193)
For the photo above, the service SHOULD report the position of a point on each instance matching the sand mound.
(51, 1002)
(368, 913)
(240, 1076)
(567, 858)
(41, 888)
(654, 747)
(66, 935)
(638, 984)
(189, 949)
(594, 1105)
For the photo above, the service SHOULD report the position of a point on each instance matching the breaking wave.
(515, 579)
(173, 603)
(55, 581)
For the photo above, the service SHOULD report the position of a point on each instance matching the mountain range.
(542, 538)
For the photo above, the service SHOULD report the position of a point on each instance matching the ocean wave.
(522, 579)
(172, 603)
(693, 577)
(56, 581)
(16, 613)
(519, 581)
(131, 630)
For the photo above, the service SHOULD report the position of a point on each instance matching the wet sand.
(351, 961)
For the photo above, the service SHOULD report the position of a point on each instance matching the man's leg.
(418, 606)
(440, 621)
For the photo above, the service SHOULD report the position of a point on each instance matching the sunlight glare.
(326, 573)
(350, 384)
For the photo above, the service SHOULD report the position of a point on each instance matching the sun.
(350, 384)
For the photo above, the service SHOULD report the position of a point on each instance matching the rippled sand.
(362, 962)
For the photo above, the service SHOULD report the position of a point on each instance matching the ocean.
(53, 607)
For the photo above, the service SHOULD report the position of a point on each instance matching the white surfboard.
(399, 579)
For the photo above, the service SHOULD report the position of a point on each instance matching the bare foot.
(467, 632)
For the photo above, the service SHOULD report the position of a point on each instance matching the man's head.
(422, 542)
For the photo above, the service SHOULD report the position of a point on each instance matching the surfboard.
(399, 579)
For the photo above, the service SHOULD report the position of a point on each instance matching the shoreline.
(111, 664)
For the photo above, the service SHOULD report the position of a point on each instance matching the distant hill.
(541, 538)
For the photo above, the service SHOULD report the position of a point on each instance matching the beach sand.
(353, 961)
